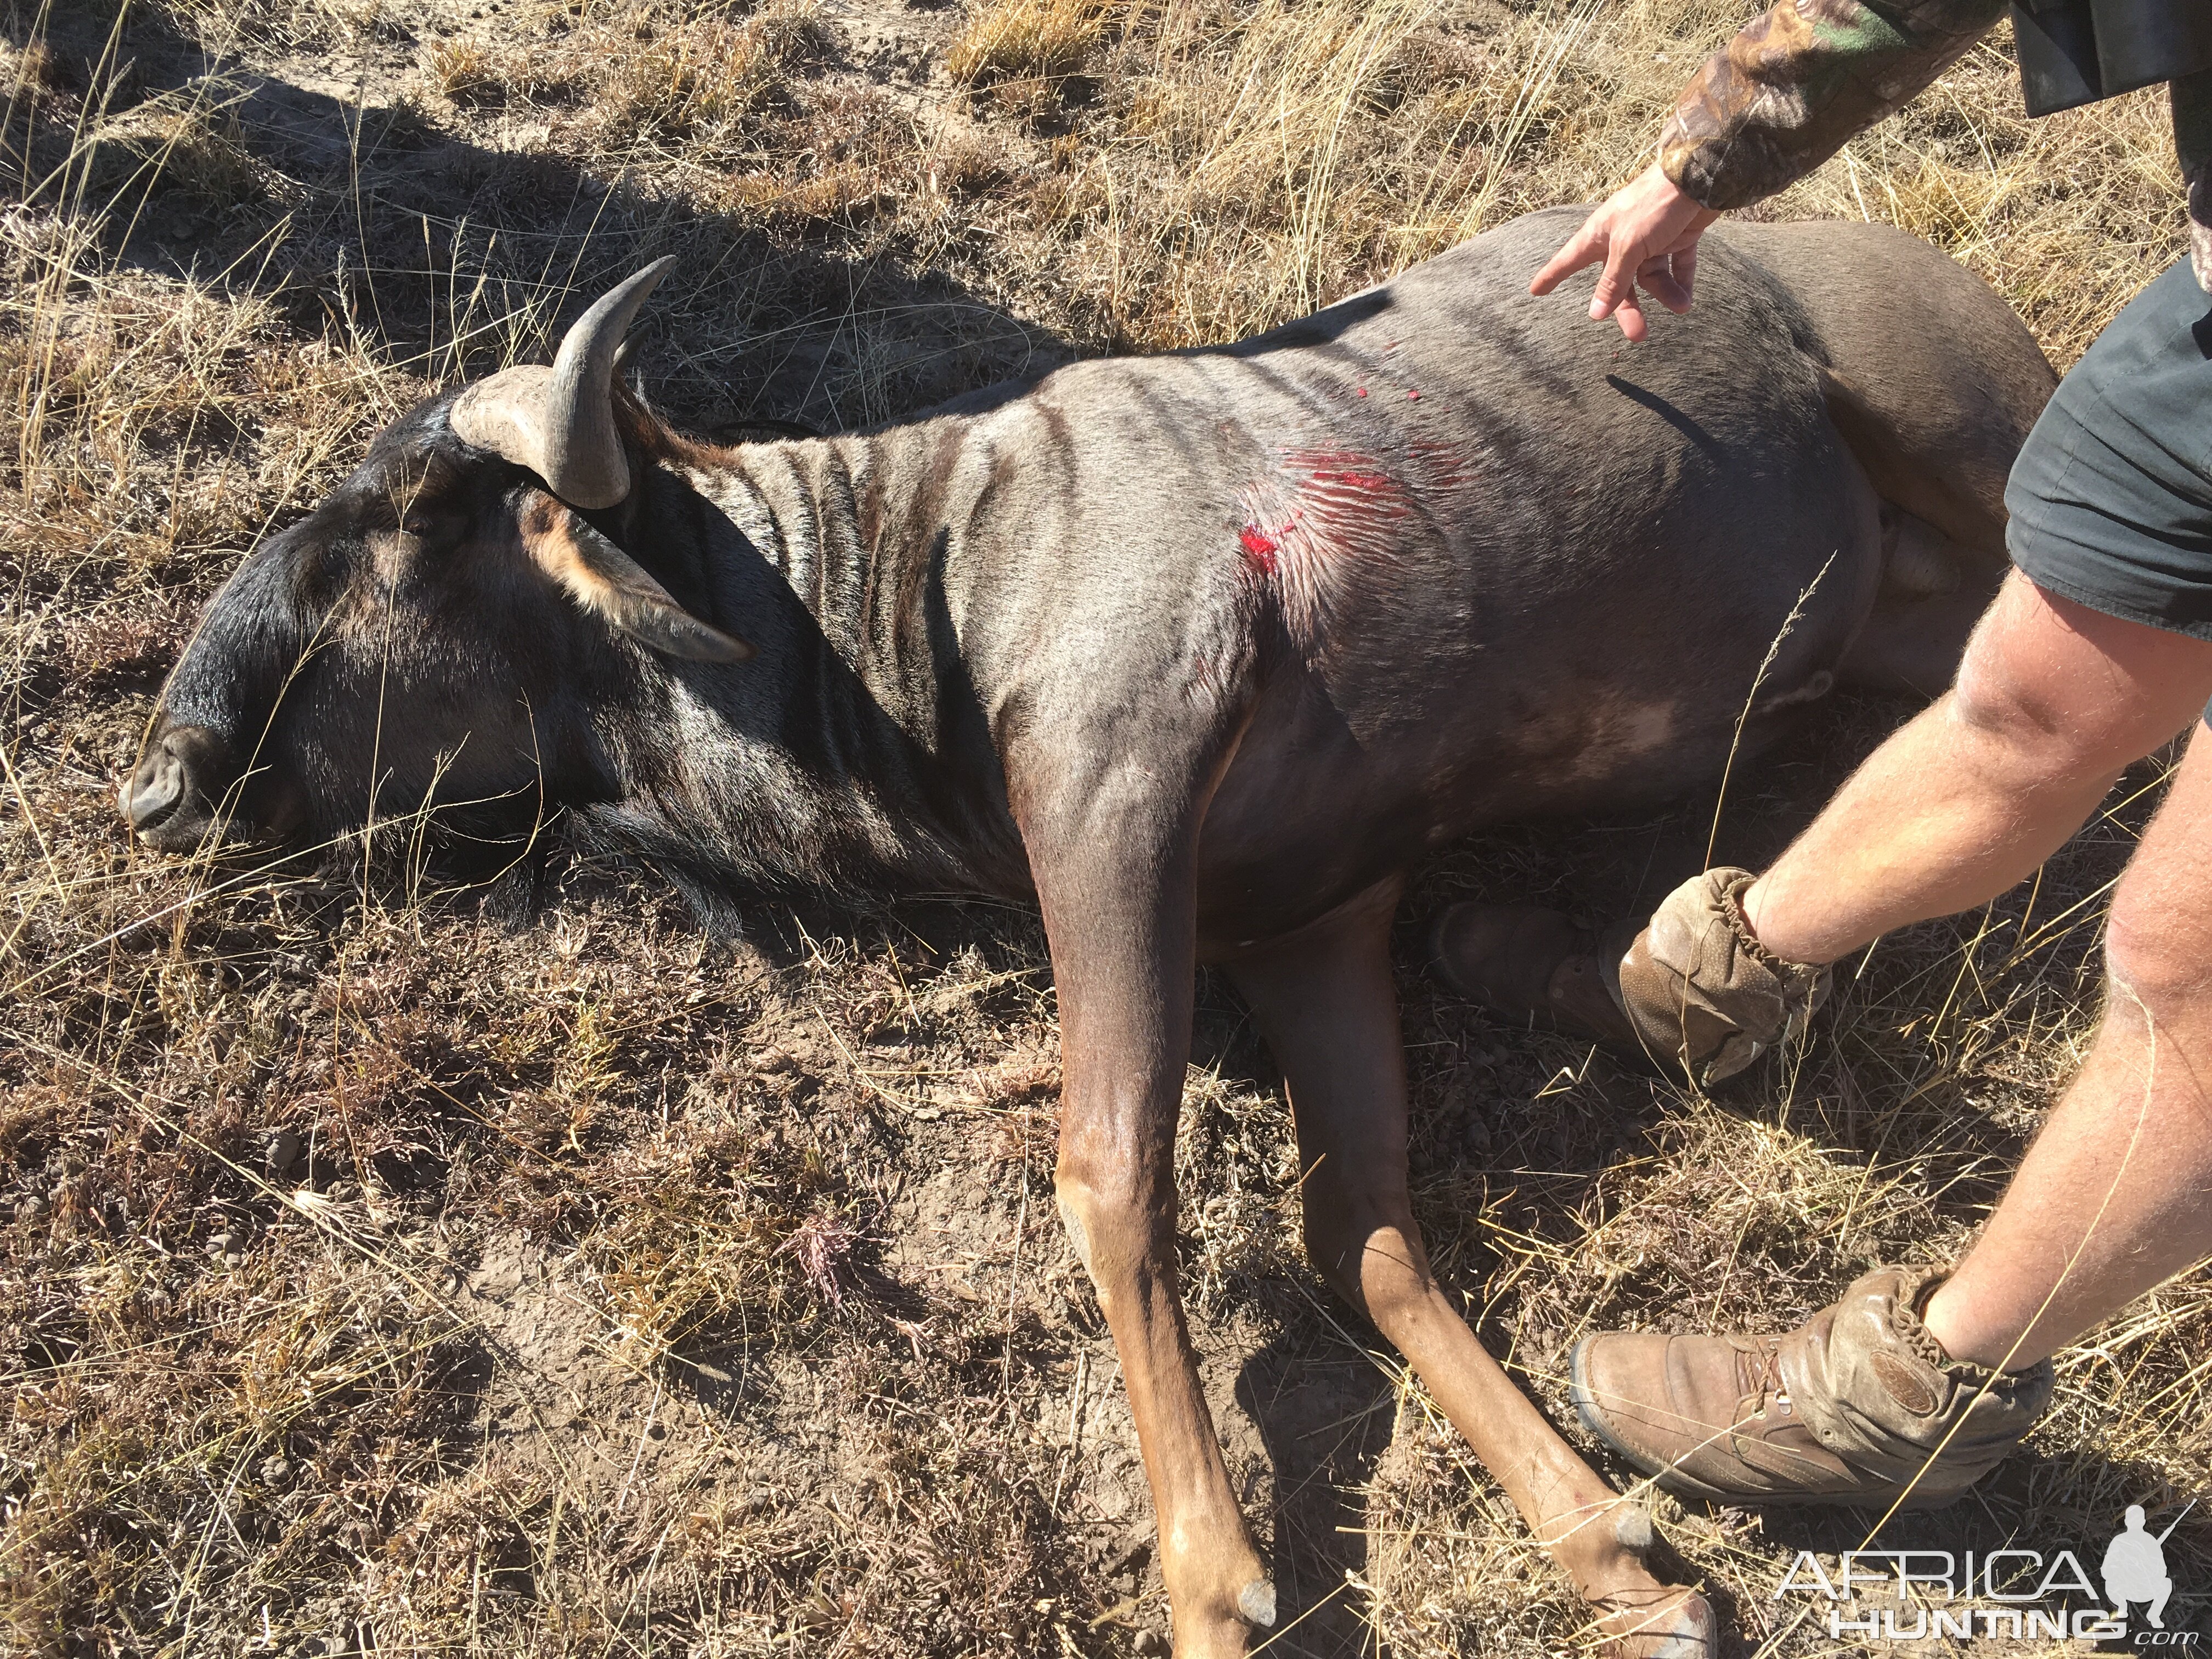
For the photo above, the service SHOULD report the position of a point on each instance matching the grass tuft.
(1028, 40)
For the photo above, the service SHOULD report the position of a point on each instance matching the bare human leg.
(2053, 701)
(2110, 1200)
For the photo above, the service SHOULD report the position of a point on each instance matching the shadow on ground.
(449, 256)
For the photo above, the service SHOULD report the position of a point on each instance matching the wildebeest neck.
(854, 749)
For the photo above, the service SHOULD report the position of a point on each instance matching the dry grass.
(390, 1265)
(1031, 41)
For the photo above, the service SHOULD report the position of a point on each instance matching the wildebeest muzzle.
(189, 788)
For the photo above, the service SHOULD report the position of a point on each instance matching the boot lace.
(1759, 1365)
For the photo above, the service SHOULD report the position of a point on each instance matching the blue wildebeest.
(1201, 651)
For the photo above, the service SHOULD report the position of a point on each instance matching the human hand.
(1647, 235)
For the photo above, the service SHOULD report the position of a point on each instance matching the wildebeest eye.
(432, 524)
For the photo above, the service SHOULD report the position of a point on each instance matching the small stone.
(1150, 1641)
(283, 1152)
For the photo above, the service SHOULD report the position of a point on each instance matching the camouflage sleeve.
(1789, 90)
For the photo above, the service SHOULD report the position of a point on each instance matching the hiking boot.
(1693, 986)
(1856, 1405)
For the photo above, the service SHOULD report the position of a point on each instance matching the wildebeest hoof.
(1215, 1627)
(1256, 1602)
(1631, 1527)
(1672, 1623)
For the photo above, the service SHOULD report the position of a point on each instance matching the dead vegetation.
(390, 1263)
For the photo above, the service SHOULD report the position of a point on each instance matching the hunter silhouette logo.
(2135, 1567)
(1909, 1594)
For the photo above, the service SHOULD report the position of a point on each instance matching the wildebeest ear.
(609, 583)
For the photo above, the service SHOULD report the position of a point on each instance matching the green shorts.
(2111, 496)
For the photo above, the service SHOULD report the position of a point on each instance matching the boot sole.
(1668, 1478)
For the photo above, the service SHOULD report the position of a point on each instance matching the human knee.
(2063, 696)
(2154, 959)
(2025, 732)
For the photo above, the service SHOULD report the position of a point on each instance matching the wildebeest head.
(429, 635)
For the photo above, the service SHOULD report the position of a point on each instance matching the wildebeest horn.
(560, 422)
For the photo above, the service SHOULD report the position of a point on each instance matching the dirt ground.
(391, 1262)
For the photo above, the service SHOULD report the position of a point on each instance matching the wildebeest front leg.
(1324, 1000)
(1121, 920)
